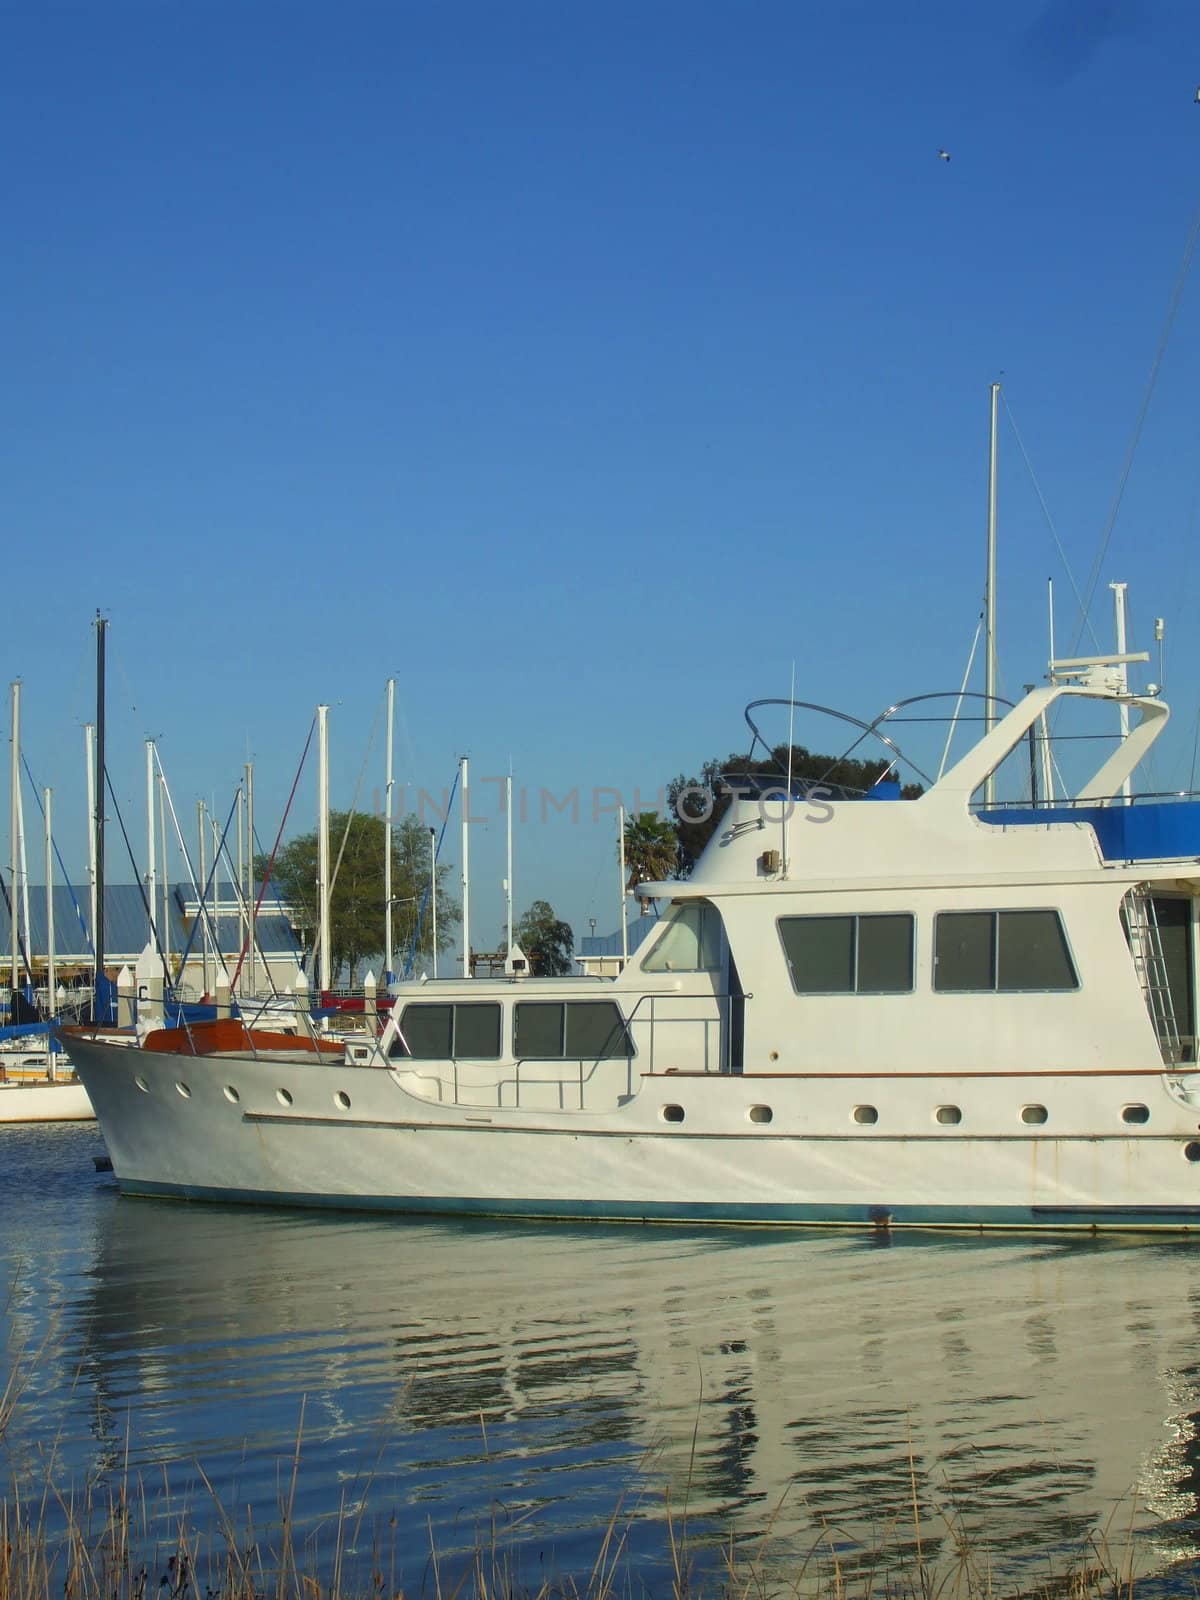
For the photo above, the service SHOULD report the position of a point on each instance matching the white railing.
(582, 1083)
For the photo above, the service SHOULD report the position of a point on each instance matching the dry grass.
(123, 1545)
(118, 1541)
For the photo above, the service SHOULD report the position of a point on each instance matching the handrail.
(445, 1070)
(1067, 802)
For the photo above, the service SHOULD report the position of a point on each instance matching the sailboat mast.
(989, 687)
(323, 846)
(624, 891)
(433, 893)
(202, 862)
(466, 870)
(508, 882)
(151, 846)
(165, 925)
(98, 931)
(250, 901)
(389, 779)
(51, 970)
(14, 899)
(89, 757)
(239, 881)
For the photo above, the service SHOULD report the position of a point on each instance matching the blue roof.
(126, 927)
(1149, 830)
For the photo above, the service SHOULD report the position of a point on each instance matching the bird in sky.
(945, 154)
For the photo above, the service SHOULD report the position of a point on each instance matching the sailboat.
(37, 1080)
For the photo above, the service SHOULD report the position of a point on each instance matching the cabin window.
(477, 1030)
(689, 942)
(443, 1032)
(590, 1030)
(1001, 951)
(849, 955)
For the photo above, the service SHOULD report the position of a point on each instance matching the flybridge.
(1151, 828)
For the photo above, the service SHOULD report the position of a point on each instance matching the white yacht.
(873, 1012)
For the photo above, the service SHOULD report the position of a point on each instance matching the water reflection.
(813, 1385)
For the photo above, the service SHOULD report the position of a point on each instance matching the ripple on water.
(465, 1377)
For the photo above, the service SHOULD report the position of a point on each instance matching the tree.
(356, 902)
(651, 849)
(547, 942)
(699, 814)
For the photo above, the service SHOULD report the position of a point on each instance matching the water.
(518, 1387)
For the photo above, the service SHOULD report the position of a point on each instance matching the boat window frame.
(854, 917)
(454, 1006)
(996, 912)
(678, 912)
(622, 1026)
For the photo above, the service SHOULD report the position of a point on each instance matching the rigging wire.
(87, 938)
(1058, 545)
(211, 923)
(266, 878)
(241, 900)
(1127, 465)
(350, 816)
(353, 811)
(14, 922)
(961, 696)
(412, 953)
(112, 793)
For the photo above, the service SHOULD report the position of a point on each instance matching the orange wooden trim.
(230, 1033)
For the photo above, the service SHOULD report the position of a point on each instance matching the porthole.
(1034, 1114)
(184, 1090)
(1135, 1113)
(865, 1114)
(672, 1113)
(283, 1097)
(1191, 1152)
(231, 1094)
(141, 1083)
(948, 1115)
(342, 1099)
(761, 1114)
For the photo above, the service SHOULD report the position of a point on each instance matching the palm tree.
(651, 849)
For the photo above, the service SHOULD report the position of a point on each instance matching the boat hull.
(288, 1132)
(45, 1102)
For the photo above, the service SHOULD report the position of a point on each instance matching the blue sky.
(581, 366)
